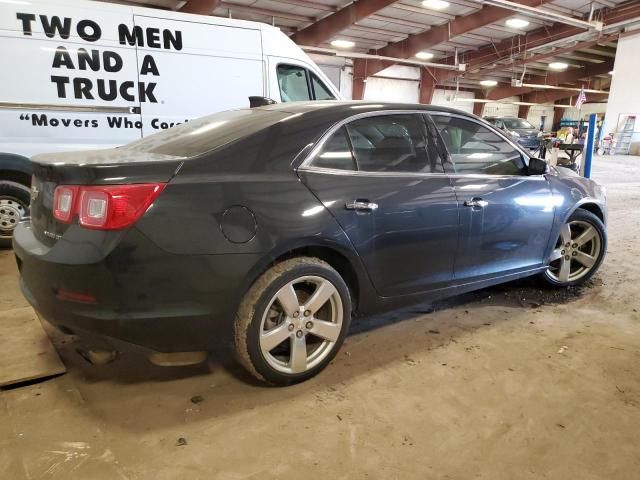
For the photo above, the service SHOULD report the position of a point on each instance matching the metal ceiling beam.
(553, 79)
(542, 56)
(201, 7)
(328, 27)
(538, 38)
(534, 12)
(441, 34)
(234, 7)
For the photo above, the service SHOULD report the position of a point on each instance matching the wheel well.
(337, 260)
(593, 208)
(16, 176)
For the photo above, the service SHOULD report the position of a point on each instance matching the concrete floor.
(507, 383)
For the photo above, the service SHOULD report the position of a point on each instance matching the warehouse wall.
(495, 109)
(624, 95)
(445, 98)
(398, 83)
(536, 112)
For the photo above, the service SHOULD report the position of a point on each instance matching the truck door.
(192, 69)
(69, 83)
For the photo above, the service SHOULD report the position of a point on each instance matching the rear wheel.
(579, 250)
(14, 204)
(292, 321)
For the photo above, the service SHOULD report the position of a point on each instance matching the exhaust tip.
(97, 357)
(177, 359)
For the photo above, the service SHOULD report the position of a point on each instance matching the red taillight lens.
(64, 199)
(108, 207)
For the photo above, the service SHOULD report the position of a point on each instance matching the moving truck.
(81, 74)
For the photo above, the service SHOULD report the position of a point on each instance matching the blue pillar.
(591, 136)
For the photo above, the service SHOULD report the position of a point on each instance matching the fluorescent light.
(435, 4)
(517, 23)
(488, 83)
(339, 43)
(558, 66)
(424, 55)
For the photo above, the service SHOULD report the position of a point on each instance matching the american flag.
(581, 98)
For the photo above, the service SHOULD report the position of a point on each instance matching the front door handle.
(361, 205)
(476, 202)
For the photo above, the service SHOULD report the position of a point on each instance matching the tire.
(267, 330)
(14, 204)
(584, 254)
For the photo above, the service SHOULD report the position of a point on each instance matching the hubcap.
(576, 252)
(301, 324)
(11, 211)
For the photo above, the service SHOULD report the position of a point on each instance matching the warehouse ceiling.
(520, 42)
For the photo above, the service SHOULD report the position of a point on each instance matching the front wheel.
(292, 321)
(579, 250)
(14, 204)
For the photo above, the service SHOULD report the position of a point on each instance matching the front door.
(387, 189)
(505, 215)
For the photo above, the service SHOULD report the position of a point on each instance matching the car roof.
(348, 108)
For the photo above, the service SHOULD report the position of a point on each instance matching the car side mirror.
(537, 166)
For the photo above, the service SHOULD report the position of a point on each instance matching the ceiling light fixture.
(517, 23)
(435, 4)
(424, 55)
(558, 66)
(339, 43)
(488, 83)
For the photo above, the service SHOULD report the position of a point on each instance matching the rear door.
(384, 183)
(67, 82)
(505, 215)
(193, 69)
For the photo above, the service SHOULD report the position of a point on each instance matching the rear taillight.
(64, 202)
(104, 207)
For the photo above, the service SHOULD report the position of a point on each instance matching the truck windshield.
(207, 133)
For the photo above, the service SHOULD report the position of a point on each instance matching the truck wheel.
(14, 204)
(292, 321)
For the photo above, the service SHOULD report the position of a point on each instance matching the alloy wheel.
(301, 324)
(577, 250)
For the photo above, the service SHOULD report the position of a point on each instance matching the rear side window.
(336, 153)
(475, 149)
(293, 83)
(391, 143)
(320, 90)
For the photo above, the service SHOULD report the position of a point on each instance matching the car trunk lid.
(101, 167)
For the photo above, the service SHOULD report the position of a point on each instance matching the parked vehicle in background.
(269, 227)
(520, 129)
(83, 75)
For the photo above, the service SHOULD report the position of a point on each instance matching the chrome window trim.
(352, 173)
(305, 165)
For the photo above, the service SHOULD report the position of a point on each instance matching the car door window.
(391, 143)
(320, 90)
(293, 83)
(336, 153)
(476, 149)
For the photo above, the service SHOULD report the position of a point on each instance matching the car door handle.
(476, 202)
(361, 205)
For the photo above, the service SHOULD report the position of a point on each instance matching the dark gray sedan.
(268, 228)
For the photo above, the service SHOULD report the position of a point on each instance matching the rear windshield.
(207, 133)
(516, 123)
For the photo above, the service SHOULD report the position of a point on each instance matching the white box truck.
(78, 74)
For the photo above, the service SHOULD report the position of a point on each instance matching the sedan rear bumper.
(134, 292)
